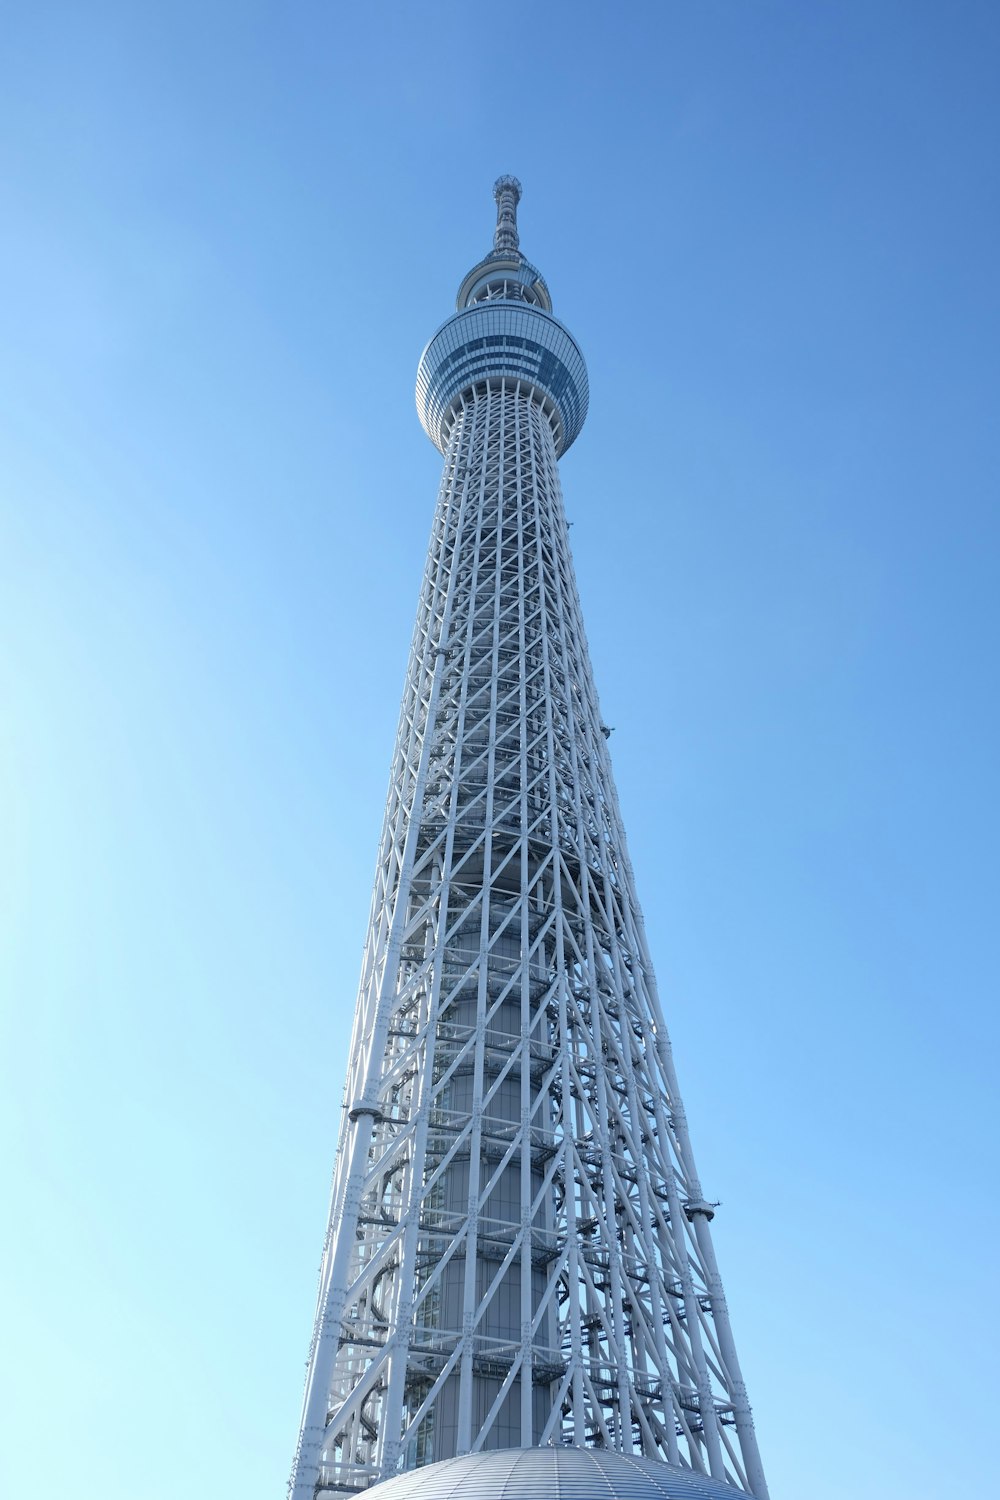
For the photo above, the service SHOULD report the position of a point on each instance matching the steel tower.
(519, 1251)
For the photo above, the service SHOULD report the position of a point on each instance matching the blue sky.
(229, 230)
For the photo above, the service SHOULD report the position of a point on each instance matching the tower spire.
(507, 192)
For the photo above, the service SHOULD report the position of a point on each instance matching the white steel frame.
(519, 1248)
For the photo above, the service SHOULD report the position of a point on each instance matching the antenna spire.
(507, 192)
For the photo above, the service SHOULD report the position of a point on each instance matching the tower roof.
(554, 1474)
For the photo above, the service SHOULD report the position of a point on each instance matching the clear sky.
(228, 230)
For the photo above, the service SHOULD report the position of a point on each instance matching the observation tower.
(519, 1254)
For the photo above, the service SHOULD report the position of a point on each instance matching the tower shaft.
(519, 1248)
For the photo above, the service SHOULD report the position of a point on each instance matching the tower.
(519, 1251)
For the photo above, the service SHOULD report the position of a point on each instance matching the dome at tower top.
(554, 1474)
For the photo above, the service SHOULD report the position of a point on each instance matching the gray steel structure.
(519, 1251)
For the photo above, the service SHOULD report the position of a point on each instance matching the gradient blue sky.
(228, 232)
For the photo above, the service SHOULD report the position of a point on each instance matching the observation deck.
(504, 330)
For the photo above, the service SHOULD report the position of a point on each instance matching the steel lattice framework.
(519, 1248)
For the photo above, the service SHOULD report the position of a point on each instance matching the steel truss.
(519, 1248)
